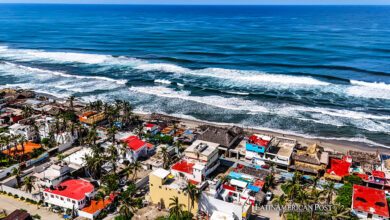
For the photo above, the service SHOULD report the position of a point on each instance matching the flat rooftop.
(203, 147)
(282, 146)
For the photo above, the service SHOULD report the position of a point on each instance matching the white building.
(23, 130)
(201, 159)
(73, 193)
(53, 175)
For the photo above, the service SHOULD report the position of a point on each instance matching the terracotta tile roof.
(95, 205)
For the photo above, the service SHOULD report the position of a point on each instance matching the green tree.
(28, 183)
(175, 208)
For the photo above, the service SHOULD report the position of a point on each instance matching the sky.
(211, 2)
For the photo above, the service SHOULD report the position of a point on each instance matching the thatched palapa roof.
(226, 137)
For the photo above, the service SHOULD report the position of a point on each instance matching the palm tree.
(123, 149)
(16, 173)
(269, 182)
(339, 212)
(136, 166)
(92, 136)
(128, 205)
(28, 184)
(100, 196)
(113, 156)
(314, 197)
(293, 186)
(329, 189)
(27, 111)
(111, 131)
(166, 158)
(60, 157)
(193, 195)
(71, 99)
(22, 141)
(140, 131)
(175, 127)
(175, 208)
(280, 201)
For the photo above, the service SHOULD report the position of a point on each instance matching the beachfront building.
(311, 159)
(369, 203)
(261, 149)
(92, 117)
(151, 128)
(163, 186)
(339, 168)
(256, 146)
(72, 194)
(200, 159)
(227, 138)
(137, 148)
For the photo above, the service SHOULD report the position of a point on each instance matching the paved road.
(10, 204)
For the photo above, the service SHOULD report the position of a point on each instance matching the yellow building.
(163, 186)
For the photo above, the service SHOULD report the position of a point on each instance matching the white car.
(268, 196)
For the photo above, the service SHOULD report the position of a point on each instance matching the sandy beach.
(330, 145)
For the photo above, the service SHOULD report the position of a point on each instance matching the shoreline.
(342, 146)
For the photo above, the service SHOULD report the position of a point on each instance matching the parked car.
(268, 196)
(265, 166)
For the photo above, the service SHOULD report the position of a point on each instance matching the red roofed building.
(369, 203)
(183, 166)
(340, 168)
(70, 193)
(137, 148)
(94, 207)
(151, 128)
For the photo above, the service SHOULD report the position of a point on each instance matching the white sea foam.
(378, 85)
(162, 81)
(66, 57)
(121, 82)
(368, 90)
(234, 75)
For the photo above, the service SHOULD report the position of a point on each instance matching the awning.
(238, 183)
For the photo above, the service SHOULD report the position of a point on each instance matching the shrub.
(10, 194)
(23, 210)
(345, 195)
(40, 202)
(16, 196)
(353, 179)
(22, 198)
(36, 216)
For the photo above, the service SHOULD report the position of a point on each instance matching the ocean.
(313, 71)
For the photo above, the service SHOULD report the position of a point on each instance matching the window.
(45, 194)
(51, 196)
(159, 187)
(68, 200)
(74, 202)
(57, 197)
(178, 192)
(62, 198)
(185, 194)
(151, 184)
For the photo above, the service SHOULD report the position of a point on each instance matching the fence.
(8, 188)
